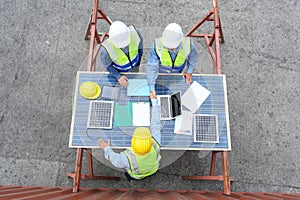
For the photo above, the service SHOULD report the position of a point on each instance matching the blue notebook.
(123, 115)
(138, 87)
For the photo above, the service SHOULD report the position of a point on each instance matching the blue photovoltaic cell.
(120, 137)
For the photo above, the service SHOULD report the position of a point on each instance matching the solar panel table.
(215, 104)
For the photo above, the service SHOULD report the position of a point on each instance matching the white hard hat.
(172, 36)
(119, 34)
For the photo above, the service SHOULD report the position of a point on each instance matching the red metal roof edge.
(160, 193)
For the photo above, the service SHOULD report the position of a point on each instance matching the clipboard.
(141, 114)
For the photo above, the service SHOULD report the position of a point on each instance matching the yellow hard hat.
(141, 141)
(90, 90)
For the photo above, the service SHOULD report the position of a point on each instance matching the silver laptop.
(170, 106)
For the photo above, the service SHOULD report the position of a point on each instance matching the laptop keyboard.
(164, 104)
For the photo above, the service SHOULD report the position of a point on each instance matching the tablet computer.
(110, 92)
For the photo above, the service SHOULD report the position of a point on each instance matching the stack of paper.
(195, 95)
(141, 114)
(183, 123)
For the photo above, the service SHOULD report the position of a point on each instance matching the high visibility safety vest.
(142, 166)
(167, 65)
(121, 61)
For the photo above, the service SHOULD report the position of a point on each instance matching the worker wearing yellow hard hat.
(170, 54)
(142, 158)
(90, 90)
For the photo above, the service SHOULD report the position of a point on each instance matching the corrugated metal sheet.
(56, 193)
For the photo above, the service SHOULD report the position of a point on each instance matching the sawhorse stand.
(91, 31)
(211, 39)
(212, 177)
(90, 176)
(97, 13)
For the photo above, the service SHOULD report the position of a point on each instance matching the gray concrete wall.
(42, 48)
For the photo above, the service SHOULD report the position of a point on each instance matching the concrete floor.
(42, 48)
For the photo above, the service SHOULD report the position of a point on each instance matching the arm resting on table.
(118, 160)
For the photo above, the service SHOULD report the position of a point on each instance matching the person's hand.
(123, 81)
(188, 77)
(152, 95)
(103, 144)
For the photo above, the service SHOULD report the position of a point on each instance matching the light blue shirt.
(108, 63)
(120, 160)
(153, 63)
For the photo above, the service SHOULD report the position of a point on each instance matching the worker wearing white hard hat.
(122, 51)
(142, 158)
(171, 53)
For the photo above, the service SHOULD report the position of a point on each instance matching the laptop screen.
(176, 104)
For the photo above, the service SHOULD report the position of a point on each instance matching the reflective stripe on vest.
(120, 60)
(166, 63)
(142, 166)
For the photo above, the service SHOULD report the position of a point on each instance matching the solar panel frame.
(208, 130)
(166, 84)
(103, 112)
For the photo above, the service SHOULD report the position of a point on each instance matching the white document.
(183, 123)
(194, 96)
(141, 114)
